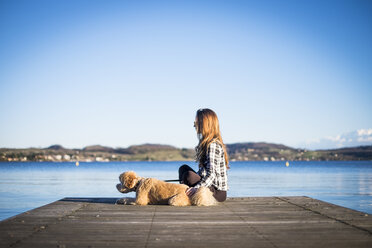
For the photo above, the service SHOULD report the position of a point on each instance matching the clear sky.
(119, 73)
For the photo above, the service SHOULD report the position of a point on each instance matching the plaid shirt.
(214, 172)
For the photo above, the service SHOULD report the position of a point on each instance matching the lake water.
(27, 185)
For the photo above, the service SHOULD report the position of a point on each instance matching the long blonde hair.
(208, 126)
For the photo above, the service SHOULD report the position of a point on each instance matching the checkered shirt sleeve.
(214, 172)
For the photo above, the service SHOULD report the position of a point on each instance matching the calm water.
(24, 186)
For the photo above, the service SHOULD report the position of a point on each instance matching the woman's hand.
(190, 191)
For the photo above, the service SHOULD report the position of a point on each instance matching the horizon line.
(162, 144)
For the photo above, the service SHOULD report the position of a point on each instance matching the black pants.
(189, 177)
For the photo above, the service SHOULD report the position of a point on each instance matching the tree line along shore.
(251, 151)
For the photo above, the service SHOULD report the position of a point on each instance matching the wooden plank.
(348, 216)
(238, 222)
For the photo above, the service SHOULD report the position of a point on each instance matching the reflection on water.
(24, 186)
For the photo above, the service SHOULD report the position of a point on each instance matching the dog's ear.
(121, 177)
(129, 179)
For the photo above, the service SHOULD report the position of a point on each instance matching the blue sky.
(118, 73)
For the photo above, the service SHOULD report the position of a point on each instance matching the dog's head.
(128, 182)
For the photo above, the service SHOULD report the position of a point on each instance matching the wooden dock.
(238, 222)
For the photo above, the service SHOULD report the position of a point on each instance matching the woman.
(211, 155)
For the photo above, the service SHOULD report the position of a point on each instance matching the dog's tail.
(203, 197)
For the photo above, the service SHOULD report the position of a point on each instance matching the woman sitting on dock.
(211, 156)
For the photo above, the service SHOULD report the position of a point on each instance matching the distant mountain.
(261, 151)
(250, 151)
(149, 148)
(238, 147)
(55, 147)
(145, 148)
(98, 148)
(273, 152)
(348, 153)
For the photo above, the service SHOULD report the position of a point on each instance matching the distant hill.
(255, 145)
(261, 151)
(268, 151)
(347, 153)
(55, 147)
(98, 148)
(249, 151)
(145, 148)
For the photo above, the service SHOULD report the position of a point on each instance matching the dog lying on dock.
(153, 191)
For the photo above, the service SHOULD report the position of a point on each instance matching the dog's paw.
(120, 201)
(125, 201)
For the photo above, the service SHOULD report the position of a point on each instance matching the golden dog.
(154, 191)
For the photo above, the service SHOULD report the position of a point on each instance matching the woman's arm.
(214, 157)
